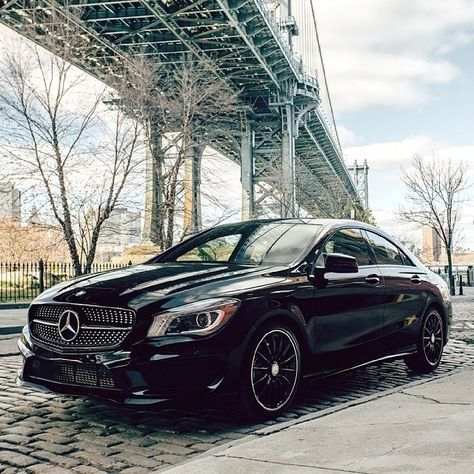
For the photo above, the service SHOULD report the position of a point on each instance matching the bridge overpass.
(290, 158)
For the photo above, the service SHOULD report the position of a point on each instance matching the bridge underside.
(289, 158)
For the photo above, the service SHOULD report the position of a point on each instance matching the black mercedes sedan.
(249, 308)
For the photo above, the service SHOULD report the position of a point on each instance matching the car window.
(256, 245)
(295, 240)
(407, 261)
(386, 253)
(216, 250)
(349, 242)
(252, 243)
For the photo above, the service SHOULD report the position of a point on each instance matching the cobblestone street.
(50, 433)
(463, 322)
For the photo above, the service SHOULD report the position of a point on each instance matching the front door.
(348, 310)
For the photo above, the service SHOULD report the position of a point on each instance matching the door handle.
(372, 279)
(415, 279)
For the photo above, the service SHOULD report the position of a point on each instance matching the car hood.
(137, 286)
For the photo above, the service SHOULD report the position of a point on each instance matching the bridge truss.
(290, 158)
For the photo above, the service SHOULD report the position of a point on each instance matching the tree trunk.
(170, 223)
(452, 284)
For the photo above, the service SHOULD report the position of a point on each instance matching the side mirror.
(340, 263)
(333, 263)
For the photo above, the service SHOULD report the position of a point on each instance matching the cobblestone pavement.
(49, 433)
(463, 323)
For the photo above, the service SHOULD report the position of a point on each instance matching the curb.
(14, 305)
(10, 330)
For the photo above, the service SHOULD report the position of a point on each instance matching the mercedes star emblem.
(68, 325)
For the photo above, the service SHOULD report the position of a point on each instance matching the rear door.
(348, 311)
(406, 288)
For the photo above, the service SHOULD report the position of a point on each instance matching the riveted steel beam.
(247, 171)
(241, 42)
(246, 38)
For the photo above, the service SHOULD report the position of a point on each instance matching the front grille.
(71, 373)
(100, 328)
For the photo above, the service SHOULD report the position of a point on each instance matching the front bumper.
(149, 373)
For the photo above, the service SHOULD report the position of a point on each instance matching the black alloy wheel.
(271, 372)
(430, 344)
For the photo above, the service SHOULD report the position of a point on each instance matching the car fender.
(444, 310)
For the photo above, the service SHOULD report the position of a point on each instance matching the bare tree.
(28, 243)
(184, 107)
(410, 243)
(435, 196)
(56, 131)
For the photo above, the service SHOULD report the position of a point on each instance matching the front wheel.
(271, 372)
(430, 344)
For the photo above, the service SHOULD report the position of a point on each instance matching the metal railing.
(275, 29)
(463, 274)
(22, 282)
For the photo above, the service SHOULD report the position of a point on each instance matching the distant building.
(432, 250)
(34, 218)
(120, 231)
(10, 202)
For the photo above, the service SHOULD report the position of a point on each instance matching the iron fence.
(463, 274)
(22, 282)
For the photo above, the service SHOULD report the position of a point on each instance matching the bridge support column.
(153, 197)
(288, 186)
(246, 173)
(192, 221)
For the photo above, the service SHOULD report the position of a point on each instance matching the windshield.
(251, 244)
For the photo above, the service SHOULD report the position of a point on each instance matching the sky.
(401, 77)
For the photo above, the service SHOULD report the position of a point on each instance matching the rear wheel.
(430, 344)
(271, 372)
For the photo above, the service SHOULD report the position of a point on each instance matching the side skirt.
(319, 375)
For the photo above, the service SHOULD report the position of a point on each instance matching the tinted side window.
(407, 261)
(385, 252)
(349, 242)
(292, 244)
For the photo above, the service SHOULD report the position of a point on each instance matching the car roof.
(326, 222)
(331, 224)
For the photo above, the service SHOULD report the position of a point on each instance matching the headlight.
(203, 317)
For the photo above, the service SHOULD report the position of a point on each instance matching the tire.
(430, 344)
(271, 373)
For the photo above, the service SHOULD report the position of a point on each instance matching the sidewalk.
(427, 427)
(12, 320)
(468, 292)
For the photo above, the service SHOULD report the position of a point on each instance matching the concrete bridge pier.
(153, 196)
(192, 220)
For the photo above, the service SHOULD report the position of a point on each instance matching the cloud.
(348, 137)
(391, 52)
(456, 41)
(389, 156)
(386, 189)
